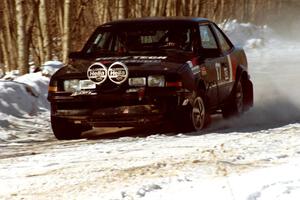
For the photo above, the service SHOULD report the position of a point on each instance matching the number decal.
(230, 68)
(219, 71)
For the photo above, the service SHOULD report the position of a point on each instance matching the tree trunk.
(66, 32)
(185, 5)
(21, 37)
(222, 6)
(46, 44)
(163, 8)
(123, 9)
(3, 49)
(8, 37)
(29, 23)
(154, 10)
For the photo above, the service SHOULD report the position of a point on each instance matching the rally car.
(148, 71)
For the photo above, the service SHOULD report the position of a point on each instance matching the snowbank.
(50, 67)
(21, 100)
(25, 95)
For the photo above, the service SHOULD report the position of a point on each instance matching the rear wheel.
(235, 107)
(65, 130)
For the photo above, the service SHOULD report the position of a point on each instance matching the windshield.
(139, 39)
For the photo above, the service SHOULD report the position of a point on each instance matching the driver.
(178, 39)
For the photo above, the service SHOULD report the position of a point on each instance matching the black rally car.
(150, 70)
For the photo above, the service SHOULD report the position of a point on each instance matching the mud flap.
(248, 94)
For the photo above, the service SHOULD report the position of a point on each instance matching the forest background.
(35, 31)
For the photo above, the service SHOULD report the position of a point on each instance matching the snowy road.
(108, 169)
(254, 157)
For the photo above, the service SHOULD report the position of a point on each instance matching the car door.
(227, 67)
(213, 62)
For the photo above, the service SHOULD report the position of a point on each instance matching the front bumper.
(113, 117)
(123, 110)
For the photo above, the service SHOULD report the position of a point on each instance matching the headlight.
(138, 81)
(74, 85)
(77, 85)
(71, 85)
(86, 85)
(156, 81)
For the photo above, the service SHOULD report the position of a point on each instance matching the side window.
(101, 42)
(225, 46)
(207, 39)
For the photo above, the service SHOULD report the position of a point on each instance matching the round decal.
(118, 72)
(97, 73)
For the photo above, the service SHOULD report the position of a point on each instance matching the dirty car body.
(147, 71)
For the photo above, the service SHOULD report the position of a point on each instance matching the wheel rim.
(198, 113)
(239, 98)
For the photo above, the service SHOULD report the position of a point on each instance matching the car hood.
(139, 64)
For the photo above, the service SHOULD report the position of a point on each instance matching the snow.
(254, 157)
(157, 167)
(10, 75)
(50, 67)
(283, 186)
(25, 95)
(22, 102)
(246, 34)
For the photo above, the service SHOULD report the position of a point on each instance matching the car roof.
(158, 20)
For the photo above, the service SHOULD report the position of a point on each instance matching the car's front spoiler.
(114, 117)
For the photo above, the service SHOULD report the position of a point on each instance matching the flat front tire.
(64, 130)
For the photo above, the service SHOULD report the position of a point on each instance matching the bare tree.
(66, 31)
(43, 28)
(3, 54)
(43, 24)
(9, 36)
(123, 9)
(22, 65)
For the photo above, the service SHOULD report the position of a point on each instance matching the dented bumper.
(118, 110)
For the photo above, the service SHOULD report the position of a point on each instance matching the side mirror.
(76, 54)
(209, 53)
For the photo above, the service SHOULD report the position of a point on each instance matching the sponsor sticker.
(226, 74)
(133, 59)
(97, 73)
(118, 72)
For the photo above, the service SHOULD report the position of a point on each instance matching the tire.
(236, 106)
(195, 116)
(64, 130)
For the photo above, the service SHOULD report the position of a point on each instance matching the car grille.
(110, 87)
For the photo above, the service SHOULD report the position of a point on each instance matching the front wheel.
(195, 116)
(64, 130)
(198, 114)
